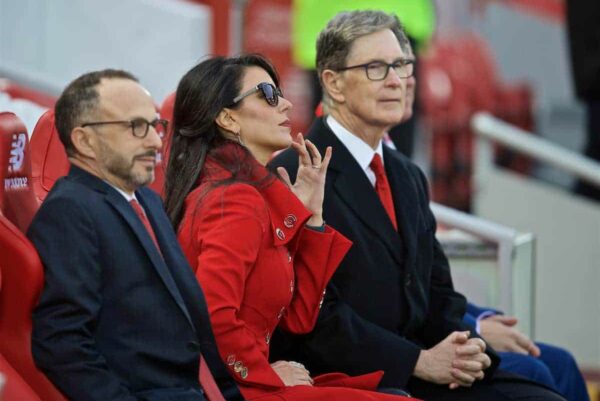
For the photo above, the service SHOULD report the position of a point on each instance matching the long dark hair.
(201, 95)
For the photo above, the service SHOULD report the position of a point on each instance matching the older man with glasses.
(391, 304)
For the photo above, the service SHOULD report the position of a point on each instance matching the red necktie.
(207, 381)
(138, 210)
(382, 187)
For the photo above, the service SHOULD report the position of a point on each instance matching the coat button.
(290, 221)
(230, 360)
(292, 286)
(237, 366)
(268, 338)
(280, 234)
(244, 372)
(289, 257)
(193, 346)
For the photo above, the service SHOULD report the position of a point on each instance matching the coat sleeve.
(229, 229)
(317, 258)
(346, 342)
(62, 342)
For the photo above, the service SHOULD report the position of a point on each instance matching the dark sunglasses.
(269, 91)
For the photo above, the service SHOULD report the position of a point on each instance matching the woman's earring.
(239, 138)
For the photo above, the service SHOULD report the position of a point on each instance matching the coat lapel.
(405, 205)
(354, 189)
(126, 211)
(120, 204)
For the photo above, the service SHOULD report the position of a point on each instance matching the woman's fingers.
(303, 155)
(315, 154)
(327, 158)
(284, 176)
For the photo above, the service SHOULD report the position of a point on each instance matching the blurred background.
(497, 128)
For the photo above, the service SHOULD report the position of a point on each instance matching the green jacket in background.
(311, 16)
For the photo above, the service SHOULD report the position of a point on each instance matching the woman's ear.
(227, 122)
(333, 85)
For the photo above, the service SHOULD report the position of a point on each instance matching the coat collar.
(124, 209)
(287, 213)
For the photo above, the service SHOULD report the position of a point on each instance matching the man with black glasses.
(391, 303)
(121, 316)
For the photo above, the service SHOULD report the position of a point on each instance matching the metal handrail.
(493, 232)
(496, 130)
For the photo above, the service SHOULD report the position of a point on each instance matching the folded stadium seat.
(15, 388)
(48, 158)
(22, 280)
(166, 112)
(17, 199)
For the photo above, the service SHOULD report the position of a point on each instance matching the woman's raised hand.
(310, 179)
(292, 373)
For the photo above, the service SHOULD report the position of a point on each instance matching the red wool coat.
(260, 268)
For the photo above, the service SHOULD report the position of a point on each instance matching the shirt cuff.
(320, 229)
(482, 316)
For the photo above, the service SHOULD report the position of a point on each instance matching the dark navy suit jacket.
(117, 319)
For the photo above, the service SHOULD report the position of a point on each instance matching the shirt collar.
(127, 196)
(358, 148)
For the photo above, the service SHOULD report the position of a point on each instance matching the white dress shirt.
(359, 149)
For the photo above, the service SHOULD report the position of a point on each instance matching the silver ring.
(316, 166)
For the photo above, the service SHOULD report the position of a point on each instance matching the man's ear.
(83, 142)
(333, 85)
(226, 121)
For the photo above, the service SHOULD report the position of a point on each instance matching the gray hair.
(334, 42)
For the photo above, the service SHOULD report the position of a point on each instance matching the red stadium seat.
(22, 281)
(166, 112)
(15, 388)
(48, 158)
(17, 199)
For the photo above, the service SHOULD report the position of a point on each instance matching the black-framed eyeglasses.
(378, 70)
(139, 126)
(269, 91)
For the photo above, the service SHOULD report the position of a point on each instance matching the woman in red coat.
(258, 244)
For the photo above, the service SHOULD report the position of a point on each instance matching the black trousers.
(503, 386)
(592, 148)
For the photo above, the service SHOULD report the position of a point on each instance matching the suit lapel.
(126, 211)
(354, 189)
(405, 205)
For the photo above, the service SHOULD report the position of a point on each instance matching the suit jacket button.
(237, 366)
(244, 372)
(193, 346)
